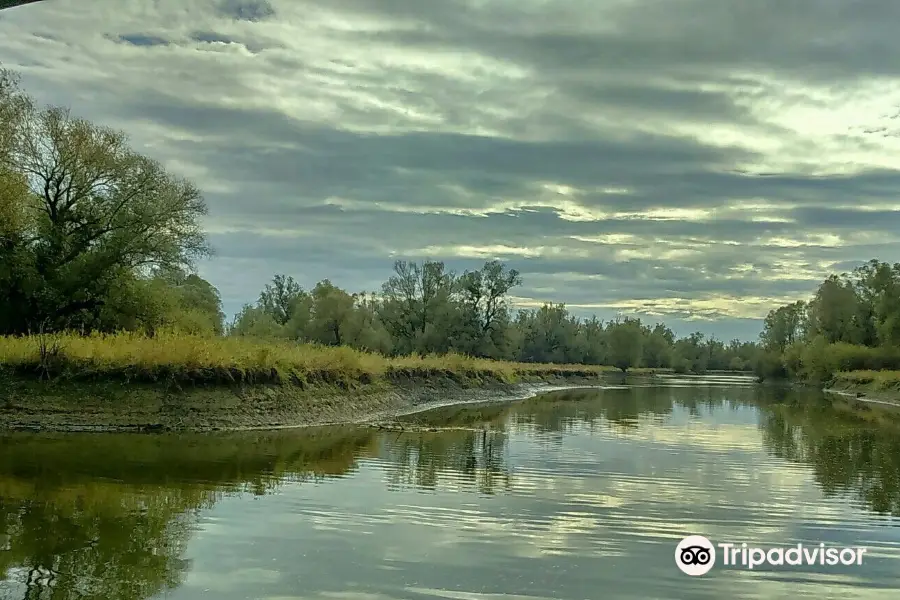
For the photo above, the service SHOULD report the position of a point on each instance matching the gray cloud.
(684, 160)
(139, 39)
(246, 10)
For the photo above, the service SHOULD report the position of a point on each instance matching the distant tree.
(784, 326)
(413, 299)
(691, 353)
(877, 286)
(484, 307)
(281, 298)
(657, 346)
(253, 321)
(626, 339)
(332, 315)
(548, 334)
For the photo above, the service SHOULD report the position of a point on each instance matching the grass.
(883, 381)
(227, 360)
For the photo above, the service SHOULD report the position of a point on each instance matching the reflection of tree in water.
(564, 411)
(109, 516)
(624, 409)
(846, 451)
(848, 454)
(476, 458)
(97, 540)
(469, 449)
(470, 445)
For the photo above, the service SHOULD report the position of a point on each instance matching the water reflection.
(108, 516)
(512, 489)
(849, 455)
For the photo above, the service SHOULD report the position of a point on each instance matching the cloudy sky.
(696, 161)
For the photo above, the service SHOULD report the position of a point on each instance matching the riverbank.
(140, 407)
(861, 388)
(133, 383)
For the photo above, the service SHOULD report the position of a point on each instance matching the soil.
(114, 406)
(861, 395)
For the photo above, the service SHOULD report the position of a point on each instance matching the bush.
(737, 364)
(818, 361)
(681, 366)
(769, 366)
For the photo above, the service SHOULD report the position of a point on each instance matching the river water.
(573, 495)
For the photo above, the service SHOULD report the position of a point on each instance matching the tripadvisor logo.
(696, 555)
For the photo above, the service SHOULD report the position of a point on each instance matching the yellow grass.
(198, 359)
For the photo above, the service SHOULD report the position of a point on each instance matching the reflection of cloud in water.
(562, 505)
(708, 437)
(224, 580)
(473, 595)
(332, 596)
(764, 585)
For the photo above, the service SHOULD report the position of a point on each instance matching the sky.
(697, 162)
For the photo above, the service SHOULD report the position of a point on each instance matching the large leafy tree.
(85, 213)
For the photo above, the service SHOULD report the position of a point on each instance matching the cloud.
(685, 160)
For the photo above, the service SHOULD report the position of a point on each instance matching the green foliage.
(426, 309)
(96, 238)
(851, 323)
(681, 365)
(769, 366)
(626, 340)
(784, 326)
(82, 215)
(737, 364)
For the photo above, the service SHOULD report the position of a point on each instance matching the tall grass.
(213, 360)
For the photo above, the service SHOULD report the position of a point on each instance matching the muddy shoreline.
(862, 399)
(142, 408)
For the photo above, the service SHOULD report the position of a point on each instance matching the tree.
(877, 285)
(657, 346)
(626, 339)
(254, 321)
(691, 353)
(14, 105)
(279, 299)
(366, 329)
(485, 309)
(96, 211)
(834, 312)
(413, 299)
(549, 334)
(784, 326)
(425, 308)
(332, 315)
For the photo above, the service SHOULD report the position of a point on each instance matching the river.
(572, 495)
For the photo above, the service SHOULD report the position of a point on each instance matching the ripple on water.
(598, 504)
(581, 494)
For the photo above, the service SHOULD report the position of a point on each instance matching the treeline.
(424, 308)
(95, 237)
(851, 323)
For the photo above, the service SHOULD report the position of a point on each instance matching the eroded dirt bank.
(865, 397)
(114, 406)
